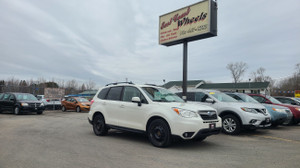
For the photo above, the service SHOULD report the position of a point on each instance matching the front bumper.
(31, 109)
(85, 108)
(259, 124)
(194, 127)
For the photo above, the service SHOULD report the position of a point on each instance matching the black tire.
(292, 122)
(159, 133)
(17, 110)
(63, 108)
(99, 126)
(78, 109)
(39, 112)
(231, 125)
(274, 125)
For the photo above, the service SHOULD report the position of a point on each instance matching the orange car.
(75, 103)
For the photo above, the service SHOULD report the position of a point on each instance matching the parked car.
(279, 114)
(235, 115)
(288, 100)
(270, 100)
(51, 104)
(19, 103)
(75, 103)
(154, 111)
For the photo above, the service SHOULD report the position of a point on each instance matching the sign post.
(185, 64)
(194, 22)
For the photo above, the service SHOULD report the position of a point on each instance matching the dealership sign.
(191, 23)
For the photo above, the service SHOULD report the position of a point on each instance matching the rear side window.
(114, 93)
(259, 99)
(190, 96)
(103, 93)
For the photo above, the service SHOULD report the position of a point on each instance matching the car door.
(131, 115)
(8, 101)
(1, 102)
(112, 105)
(66, 103)
(73, 104)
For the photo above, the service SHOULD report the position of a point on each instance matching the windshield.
(82, 100)
(161, 95)
(247, 98)
(273, 100)
(222, 97)
(25, 97)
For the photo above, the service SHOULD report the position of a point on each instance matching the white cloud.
(108, 41)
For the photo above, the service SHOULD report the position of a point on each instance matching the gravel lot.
(65, 140)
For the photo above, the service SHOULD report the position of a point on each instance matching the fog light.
(188, 134)
(252, 121)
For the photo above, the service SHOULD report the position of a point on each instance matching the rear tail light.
(92, 102)
(48, 100)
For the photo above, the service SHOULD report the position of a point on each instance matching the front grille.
(208, 115)
(34, 104)
(263, 111)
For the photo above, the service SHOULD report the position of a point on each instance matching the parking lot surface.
(66, 140)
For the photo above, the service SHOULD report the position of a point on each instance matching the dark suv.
(20, 102)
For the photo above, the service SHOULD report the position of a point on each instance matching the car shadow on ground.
(177, 143)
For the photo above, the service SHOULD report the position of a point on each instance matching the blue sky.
(111, 40)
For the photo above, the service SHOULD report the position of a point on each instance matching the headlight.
(42, 104)
(279, 110)
(297, 109)
(24, 104)
(248, 110)
(185, 113)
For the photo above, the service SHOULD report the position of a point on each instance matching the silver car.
(235, 115)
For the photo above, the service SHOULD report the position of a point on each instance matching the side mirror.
(293, 103)
(209, 100)
(136, 100)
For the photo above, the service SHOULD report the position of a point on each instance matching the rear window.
(103, 93)
(114, 93)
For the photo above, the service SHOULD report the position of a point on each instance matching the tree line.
(281, 87)
(37, 87)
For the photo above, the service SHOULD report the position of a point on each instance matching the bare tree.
(90, 85)
(237, 70)
(260, 76)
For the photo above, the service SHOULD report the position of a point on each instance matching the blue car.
(279, 114)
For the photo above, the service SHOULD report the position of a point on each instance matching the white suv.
(155, 111)
(235, 115)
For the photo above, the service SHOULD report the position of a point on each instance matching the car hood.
(288, 105)
(31, 101)
(190, 106)
(275, 106)
(243, 104)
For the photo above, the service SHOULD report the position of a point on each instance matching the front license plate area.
(212, 126)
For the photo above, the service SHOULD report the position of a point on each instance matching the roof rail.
(116, 83)
(150, 84)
